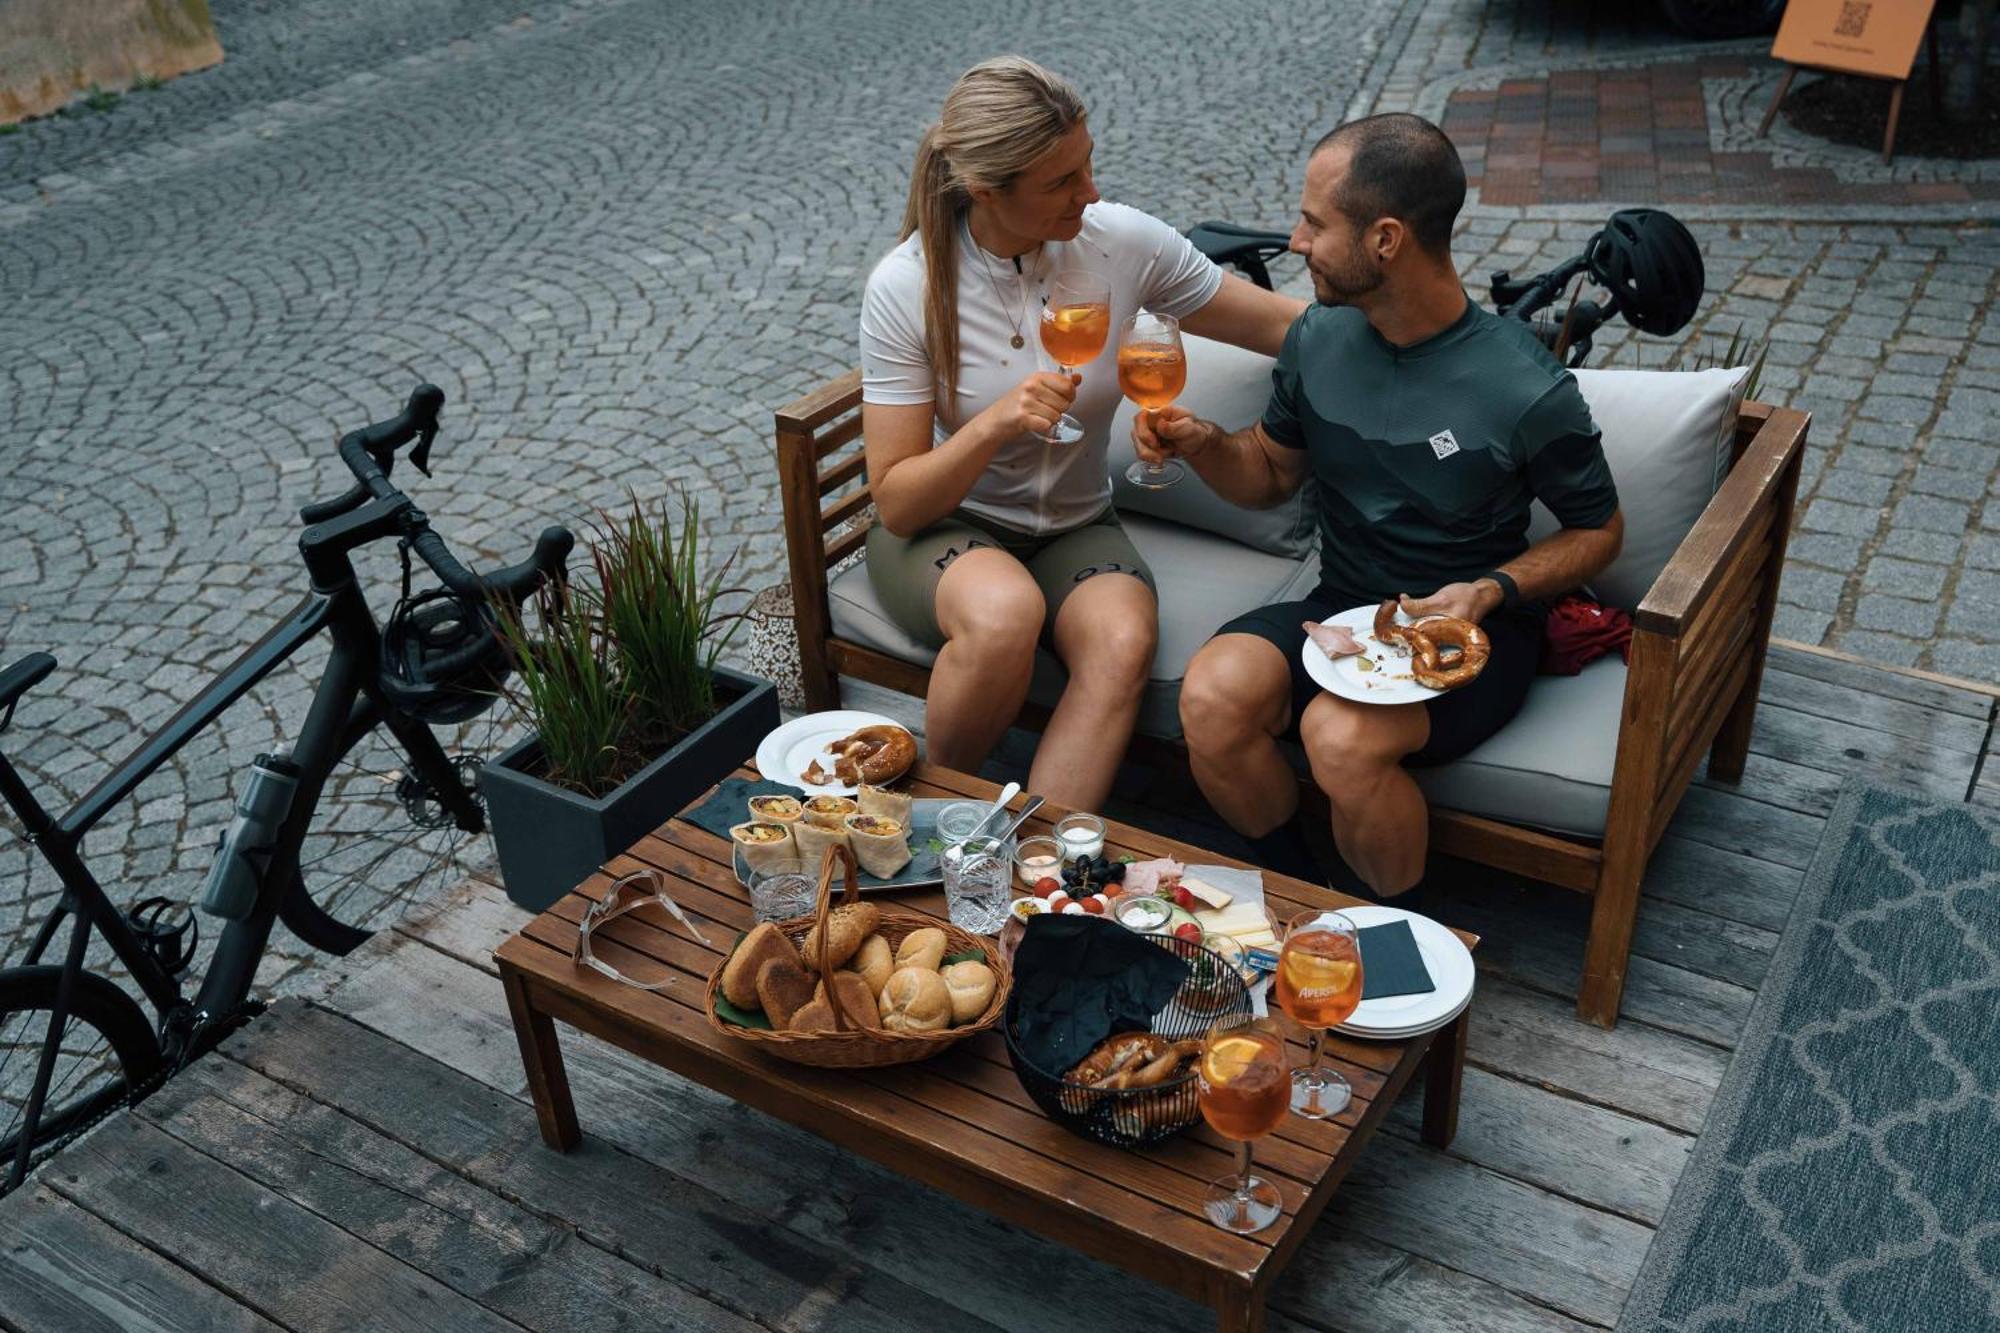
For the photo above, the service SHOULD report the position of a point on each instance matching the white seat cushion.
(1204, 581)
(1551, 766)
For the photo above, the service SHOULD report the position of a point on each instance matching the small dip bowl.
(1038, 858)
(1147, 915)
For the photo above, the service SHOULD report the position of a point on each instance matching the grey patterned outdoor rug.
(1849, 1174)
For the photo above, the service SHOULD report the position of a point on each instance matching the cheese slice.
(1233, 919)
(1208, 893)
(1263, 939)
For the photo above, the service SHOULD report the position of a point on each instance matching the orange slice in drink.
(1231, 1058)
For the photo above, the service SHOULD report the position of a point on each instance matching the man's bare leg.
(1235, 703)
(1381, 823)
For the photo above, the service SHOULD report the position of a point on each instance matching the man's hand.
(1467, 601)
(1171, 432)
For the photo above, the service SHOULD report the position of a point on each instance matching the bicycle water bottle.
(244, 849)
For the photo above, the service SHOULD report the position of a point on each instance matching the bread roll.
(814, 1017)
(970, 985)
(874, 960)
(783, 988)
(739, 975)
(915, 1000)
(846, 927)
(921, 948)
(856, 1000)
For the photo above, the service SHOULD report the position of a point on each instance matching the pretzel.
(1426, 641)
(1432, 667)
(875, 755)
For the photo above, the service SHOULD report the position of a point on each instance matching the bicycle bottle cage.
(172, 946)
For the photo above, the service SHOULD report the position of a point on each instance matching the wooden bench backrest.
(823, 482)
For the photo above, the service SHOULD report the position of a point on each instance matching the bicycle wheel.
(106, 1048)
(386, 837)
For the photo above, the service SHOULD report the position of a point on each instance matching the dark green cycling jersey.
(1425, 458)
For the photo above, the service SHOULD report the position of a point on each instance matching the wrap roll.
(881, 845)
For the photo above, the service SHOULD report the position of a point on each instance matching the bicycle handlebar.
(370, 454)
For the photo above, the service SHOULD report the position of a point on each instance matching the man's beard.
(1356, 277)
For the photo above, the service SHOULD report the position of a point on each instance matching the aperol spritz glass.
(1244, 1096)
(1076, 323)
(1152, 371)
(1319, 986)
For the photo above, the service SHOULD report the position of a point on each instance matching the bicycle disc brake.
(421, 803)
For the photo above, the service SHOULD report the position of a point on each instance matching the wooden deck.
(370, 1159)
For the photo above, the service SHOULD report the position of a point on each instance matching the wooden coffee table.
(961, 1122)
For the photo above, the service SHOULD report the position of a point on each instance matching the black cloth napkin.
(730, 805)
(1391, 963)
(1080, 979)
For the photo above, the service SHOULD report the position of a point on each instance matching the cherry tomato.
(1094, 905)
(1047, 885)
(1189, 931)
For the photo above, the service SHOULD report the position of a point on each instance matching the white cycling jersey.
(1030, 485)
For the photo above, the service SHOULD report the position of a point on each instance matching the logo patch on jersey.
(1444, 444)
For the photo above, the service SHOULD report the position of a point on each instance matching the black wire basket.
(1139, 1117)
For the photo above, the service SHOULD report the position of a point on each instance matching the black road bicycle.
(1643, 260)
(93, 1047)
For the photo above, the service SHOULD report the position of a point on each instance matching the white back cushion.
(1667, 438)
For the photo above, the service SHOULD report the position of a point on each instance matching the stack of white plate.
(1401, 1017)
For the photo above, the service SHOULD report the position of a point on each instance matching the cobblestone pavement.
(618, 233)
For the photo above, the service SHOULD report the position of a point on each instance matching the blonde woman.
(992, 540)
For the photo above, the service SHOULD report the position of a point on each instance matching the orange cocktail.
(1151, 374)
(1075, 334)
(1244, 1095)
(1318, 987)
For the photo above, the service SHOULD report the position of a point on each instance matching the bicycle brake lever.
(420, 457)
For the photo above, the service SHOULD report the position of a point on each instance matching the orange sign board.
(1874, 37)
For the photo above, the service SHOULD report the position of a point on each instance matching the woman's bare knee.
(993, 608)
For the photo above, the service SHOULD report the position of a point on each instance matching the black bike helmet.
(1652, 267)
(443, 660)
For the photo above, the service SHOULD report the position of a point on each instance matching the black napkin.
(1391, 963)
(730, 805)
(1078, 980)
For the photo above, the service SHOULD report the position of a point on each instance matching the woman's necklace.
(1018, 341)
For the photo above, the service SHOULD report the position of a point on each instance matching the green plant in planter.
(614, 675)
(659, 612)
(566, 683)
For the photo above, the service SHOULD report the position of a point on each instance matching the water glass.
(978, 879)
(783, 889)
(956, 822)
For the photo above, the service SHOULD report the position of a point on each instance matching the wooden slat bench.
(1696, 662)
(961, 1122)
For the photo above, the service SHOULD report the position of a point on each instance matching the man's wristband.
(1510, 591)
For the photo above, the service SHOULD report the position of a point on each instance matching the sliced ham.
(1146, 876)
(1333, 640)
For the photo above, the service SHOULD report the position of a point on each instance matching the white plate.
(1388, 683)
(1404, 1034)
(790, 750)
(1447, 960)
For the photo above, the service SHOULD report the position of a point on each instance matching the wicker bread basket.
(852, 1046)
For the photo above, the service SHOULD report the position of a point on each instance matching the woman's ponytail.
(932, 214)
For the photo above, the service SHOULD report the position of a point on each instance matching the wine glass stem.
(1242, 1199)
(1313, 1036)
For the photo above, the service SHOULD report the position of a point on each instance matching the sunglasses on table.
(627, 894)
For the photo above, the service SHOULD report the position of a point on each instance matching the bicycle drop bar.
(370, 454)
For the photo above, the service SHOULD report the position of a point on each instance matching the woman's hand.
(1170, 432)
(1034, 405)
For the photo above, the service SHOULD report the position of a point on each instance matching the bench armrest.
(820, 495)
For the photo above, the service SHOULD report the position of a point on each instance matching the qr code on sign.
(1853, 18)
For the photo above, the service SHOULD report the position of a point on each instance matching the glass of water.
(978, 882)
(783, 889)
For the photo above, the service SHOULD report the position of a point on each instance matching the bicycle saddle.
(1246, 247)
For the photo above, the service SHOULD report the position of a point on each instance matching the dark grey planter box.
(550, 839)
